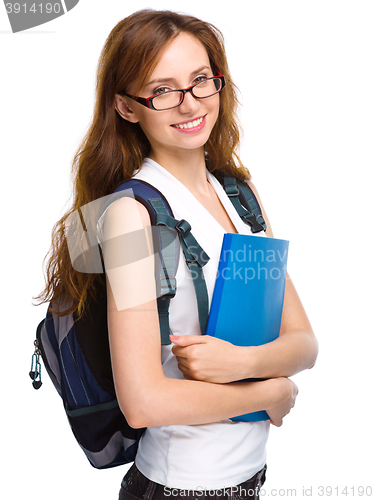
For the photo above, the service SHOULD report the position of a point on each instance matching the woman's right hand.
(286, 396)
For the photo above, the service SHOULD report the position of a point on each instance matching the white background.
(305, 71)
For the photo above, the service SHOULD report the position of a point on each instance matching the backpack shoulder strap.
(169, 230)
(195, 258)
(245, 202)
(166, 248)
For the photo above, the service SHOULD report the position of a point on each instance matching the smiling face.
(183, 129)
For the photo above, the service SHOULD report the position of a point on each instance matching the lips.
(190, 125)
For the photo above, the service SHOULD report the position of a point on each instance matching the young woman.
(165, 113)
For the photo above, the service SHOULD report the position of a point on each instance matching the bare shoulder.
(125, 215)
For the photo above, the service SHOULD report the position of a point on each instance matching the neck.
(190, 169)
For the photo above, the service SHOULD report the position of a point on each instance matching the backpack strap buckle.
(255, 221)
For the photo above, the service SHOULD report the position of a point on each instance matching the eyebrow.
(166, 80)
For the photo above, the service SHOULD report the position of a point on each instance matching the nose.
(189, 104)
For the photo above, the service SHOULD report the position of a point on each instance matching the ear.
(121, 103)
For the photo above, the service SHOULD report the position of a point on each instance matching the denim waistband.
(135, 486)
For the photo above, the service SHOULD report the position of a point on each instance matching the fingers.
(186, 340)
(185, 370)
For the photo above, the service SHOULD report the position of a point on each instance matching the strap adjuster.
(232, 189)
(183, 227)
(191, 261)
(167, 288)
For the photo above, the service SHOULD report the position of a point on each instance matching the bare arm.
(145, 395)
(296, 348)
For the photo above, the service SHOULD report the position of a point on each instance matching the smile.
(191, 126)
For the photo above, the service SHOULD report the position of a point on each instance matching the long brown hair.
(113, 148)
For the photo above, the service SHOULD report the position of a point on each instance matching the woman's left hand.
(205, 358)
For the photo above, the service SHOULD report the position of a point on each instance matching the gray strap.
(253, 216)
(194, 255)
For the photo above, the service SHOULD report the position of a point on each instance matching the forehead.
(182, 56)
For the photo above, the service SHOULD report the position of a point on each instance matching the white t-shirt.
(220, 454)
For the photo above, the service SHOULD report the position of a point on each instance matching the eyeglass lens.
(171, 99)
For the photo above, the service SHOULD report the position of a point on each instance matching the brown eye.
(160, 90)
(199, 79)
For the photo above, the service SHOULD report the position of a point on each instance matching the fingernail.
(173, 336)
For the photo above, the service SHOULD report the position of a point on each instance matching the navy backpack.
(76, 353)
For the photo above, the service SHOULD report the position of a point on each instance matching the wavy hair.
(114, 149)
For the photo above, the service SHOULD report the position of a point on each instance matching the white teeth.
(195, 123)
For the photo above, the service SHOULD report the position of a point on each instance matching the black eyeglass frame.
(148, 101)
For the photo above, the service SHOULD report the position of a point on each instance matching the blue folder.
(247, 301)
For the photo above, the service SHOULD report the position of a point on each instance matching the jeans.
(135, 486)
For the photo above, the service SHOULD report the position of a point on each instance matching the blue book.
(247, 301)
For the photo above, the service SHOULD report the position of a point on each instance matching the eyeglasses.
(174, 98)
